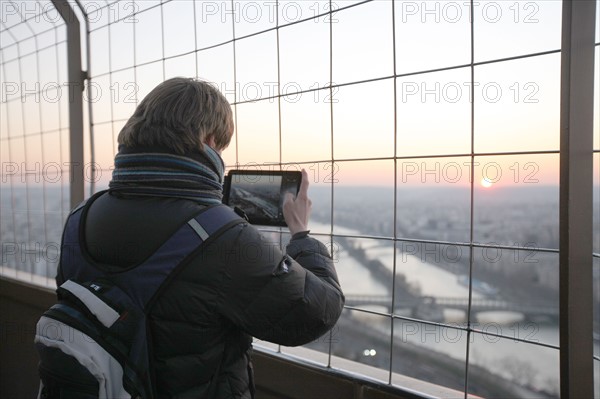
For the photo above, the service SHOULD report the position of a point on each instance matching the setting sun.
(485, 183)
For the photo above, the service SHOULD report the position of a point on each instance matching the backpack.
(94, 342)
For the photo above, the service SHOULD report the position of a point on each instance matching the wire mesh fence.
(430, 131)
(34, 139)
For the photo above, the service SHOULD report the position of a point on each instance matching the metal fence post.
(576, 182)
(75, 86)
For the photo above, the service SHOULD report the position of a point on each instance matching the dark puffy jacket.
(239, 286)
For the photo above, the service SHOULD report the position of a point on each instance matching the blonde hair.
(180, 114)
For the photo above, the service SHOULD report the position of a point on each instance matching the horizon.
(327, 186)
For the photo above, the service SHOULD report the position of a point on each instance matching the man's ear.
(210, 141)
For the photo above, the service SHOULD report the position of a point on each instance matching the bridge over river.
(434, 305)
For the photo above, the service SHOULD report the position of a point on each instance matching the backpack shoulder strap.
(87, 202)
(206, 225)
(144, 281)
(156, 272)
(213, 220)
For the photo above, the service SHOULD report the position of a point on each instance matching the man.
(169, 169)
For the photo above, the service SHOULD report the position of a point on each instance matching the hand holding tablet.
(261, 195)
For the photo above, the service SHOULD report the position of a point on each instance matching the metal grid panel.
(120, 55)
(34, 139)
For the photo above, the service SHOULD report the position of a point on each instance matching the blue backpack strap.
(87, 201)
(71, 258)
(143, 281)
(214, 219)
(208, 224)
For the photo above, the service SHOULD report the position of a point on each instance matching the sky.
(515, 102)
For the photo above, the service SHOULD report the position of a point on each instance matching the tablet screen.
(260, 194)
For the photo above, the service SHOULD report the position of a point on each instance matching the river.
(521, 362)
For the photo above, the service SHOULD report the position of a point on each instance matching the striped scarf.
(196, 176)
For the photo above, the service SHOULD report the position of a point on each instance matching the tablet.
(260, 194)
